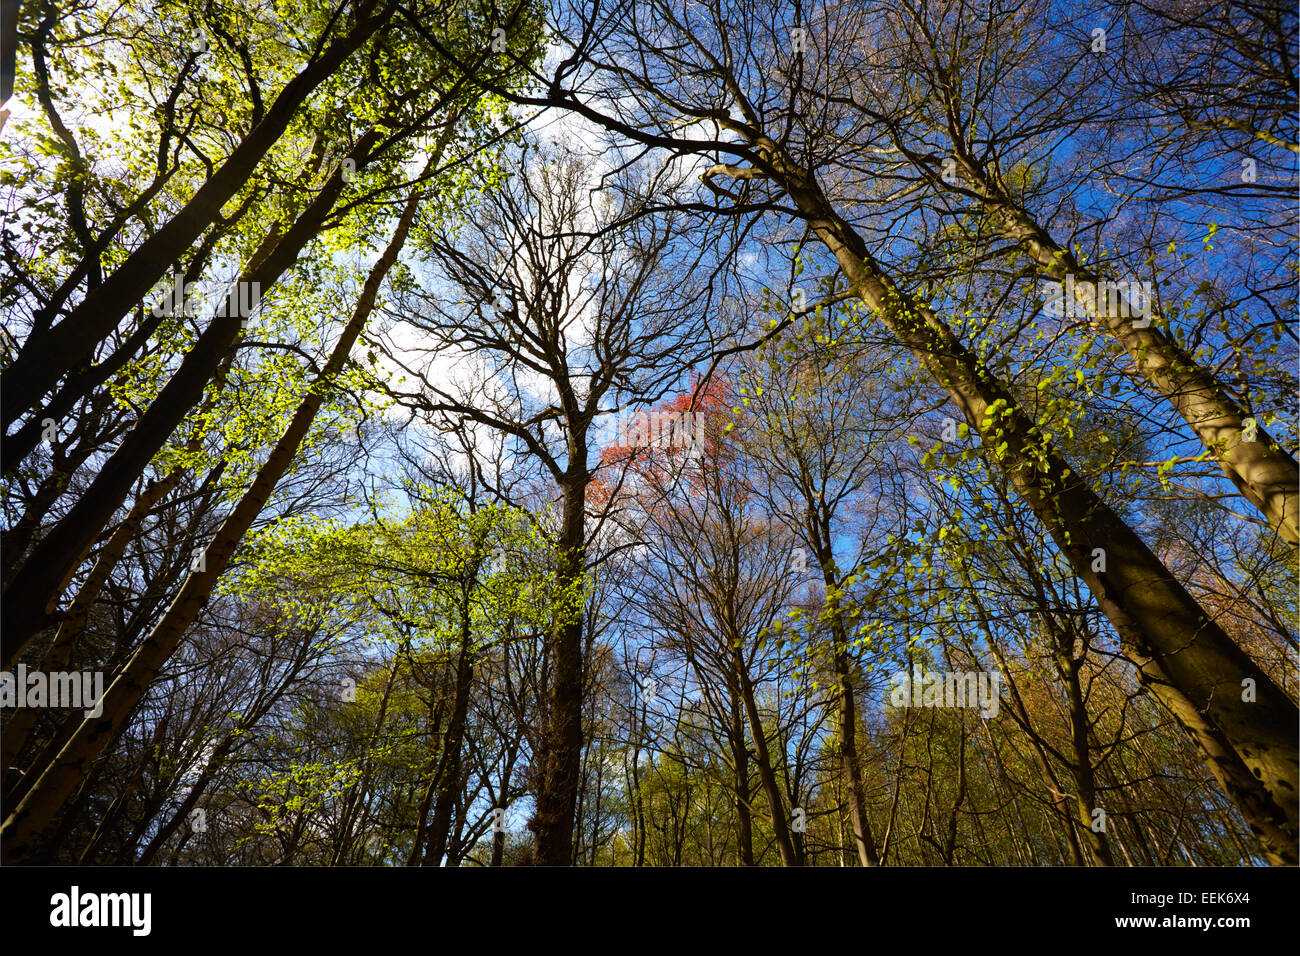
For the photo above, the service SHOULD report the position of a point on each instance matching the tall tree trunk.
(430, 768)
(846, 706)
(561, 765)
(74, 620)
(1085, 780)
(70, 628)
(84, 379)
(638, 798)
(850, 768)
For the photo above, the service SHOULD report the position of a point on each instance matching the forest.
(649, 433)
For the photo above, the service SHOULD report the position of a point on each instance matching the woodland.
(649, 433)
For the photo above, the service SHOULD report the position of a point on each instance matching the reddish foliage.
(680, 436)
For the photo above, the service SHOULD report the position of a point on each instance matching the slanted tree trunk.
(48, 355)
(30, 595)
(47, 796)
(1187, 661)
(1265, 474)
(70, 628)
(85, 378)
(766, 775)
(74, 620)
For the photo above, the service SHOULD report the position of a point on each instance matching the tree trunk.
(1192, 667)
(766, 775)
(70, 628)
(48, 795)
(561, 764)
(740, 781)
(47, 356)
(1261, 470)
(448, 776)
(846, 706)
(1085, 780)
(30, 595)
(84, 379)
(849, 765)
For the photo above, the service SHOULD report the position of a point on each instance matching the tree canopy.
(650, 433)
